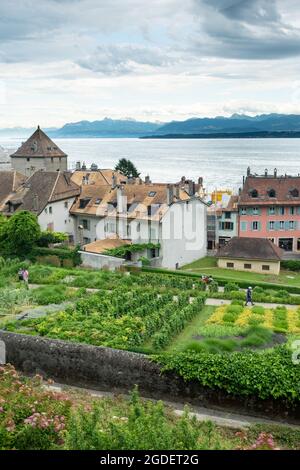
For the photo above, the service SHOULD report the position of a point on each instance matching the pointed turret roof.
(39, 145)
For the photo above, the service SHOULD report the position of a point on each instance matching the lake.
(221, 162)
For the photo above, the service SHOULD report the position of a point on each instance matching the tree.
(20, 233)
(127, 168)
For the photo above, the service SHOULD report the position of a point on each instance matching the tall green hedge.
(268, 374)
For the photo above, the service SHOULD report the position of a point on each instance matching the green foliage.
(291, 264)
(145, 261)
(213, 287)
(20, 234)
(127, 168)
(52, 294)
(265, 374)
(280, 323)
(231, 286)
(122, 251)
(47, 238)
(30, 417)
(61, 253)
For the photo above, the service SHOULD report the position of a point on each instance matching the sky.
(159, 60)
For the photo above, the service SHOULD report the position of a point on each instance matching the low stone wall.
(98, 261)
(119, 371)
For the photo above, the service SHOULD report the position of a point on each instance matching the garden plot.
(279, 319)
(123, 318)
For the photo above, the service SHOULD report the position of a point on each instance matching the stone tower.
(39, 152)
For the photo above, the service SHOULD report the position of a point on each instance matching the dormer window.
(272, 193)
(294, 192)
(254, 193)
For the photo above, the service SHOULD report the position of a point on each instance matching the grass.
(179, 343)
(207, 266)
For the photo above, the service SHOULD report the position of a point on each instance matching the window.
(254, 193)
(265, 267)
(230, 265)
(272, 210)
(255, 210)
(50, 210)
(83, 202)
(291, 225)
(86, 240)
(28, 159)
(46, 210)
(138, 227)
(281, 225)
(110, 227)
(255, 225)
(243, 211)
(272, 193)
(247, 266)
(86, 224)
(128, 230)
(271, 225)
(97, 202)
(66, 204)
(226, 225)
(51, 159)
(294, 192)
(281, 210)
(227, 215)
(292, 210)
(298, 244)
(151, 193)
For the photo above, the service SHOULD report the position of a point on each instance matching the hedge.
(222, 280)
(291, 264)
(61, 253)
(269, 374)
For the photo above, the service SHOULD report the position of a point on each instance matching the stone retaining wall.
(119, 371)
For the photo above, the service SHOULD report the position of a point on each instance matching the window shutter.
(258, 225)
(277, 225)
(259, 211)
(243, 226)
(286, 225)
(298, 210)
(249, 211)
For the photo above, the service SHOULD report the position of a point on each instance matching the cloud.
(124, 59)
(244, 29)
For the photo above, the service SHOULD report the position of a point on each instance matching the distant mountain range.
(238, 125)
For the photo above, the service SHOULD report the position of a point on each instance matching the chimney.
(147, 179)
(191, 188)
(182, 180)
(83, 166)
(35, 203)
(113, 181)
(94, 167)
(240, 191)
(170, 192)
(275, 172)
(266, 172)
(243, 180)
(200, 180)
(248, 171)
(78, 166)
(121, 200)
(177, 191)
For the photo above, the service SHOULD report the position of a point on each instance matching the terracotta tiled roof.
(10, 181)
(282, 185)
(250, 248)
(39, 145)
(232, 204)
(98, 177)
(43, 187)
(139, 198)
(100, 246)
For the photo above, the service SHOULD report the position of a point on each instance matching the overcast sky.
(70, 60)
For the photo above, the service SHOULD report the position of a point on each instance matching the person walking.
(26, 278)
(249, 296)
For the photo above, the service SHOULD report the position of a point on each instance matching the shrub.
(213, 287)
(258, 310)
(49, 294)
(231, 286)
(264, 374)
